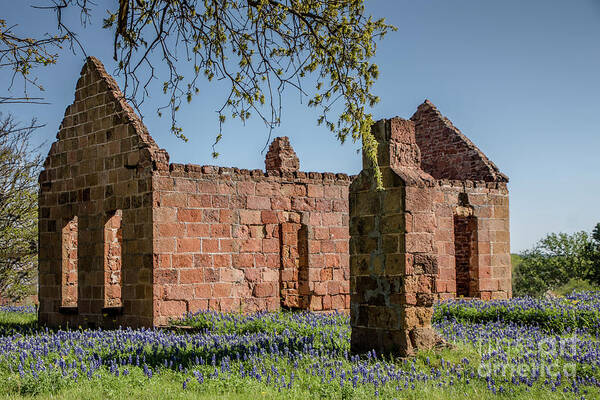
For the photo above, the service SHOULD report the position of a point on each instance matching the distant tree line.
(559, 262)
(19, 168)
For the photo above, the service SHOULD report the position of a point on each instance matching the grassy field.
(306, 356)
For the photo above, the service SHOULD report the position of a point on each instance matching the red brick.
(164, 215)
(189, 215)
(221, 260)
(248, 217)
(243, 260)
(332, 260)
(269, 217)
(207, 187)
(191, 276)
(252, 274)
(321, 233)
(272, 260)
(222, 289)
(184, 185)
(210, 245)
(281, 203)
(339, 233)
(265, 189)
(264, 289)
(327, 246)
(333, 288)
(232, 275)
(165, 276)
(326, 274)
(212, 275)
(211, 216)
(270, 245)
(326, 302)
(180, 292)
(230, 305)
(198, 230)
(488, 284)
(165, 245)
(220, 230)
(203, 291)
(332, 192)
(199, 200)
(198, 305)
(202, 260)
(226, 188)
(188, 245)
(251, 245)
(173, 200)
(338, 302)
(226, 245)
(182, 260)
(171, 229)
(258, 203)
(246, 188)
(323, 205)
(315, 191)
(225, 216)
(178, 221)
(173, 308)
(220, 201)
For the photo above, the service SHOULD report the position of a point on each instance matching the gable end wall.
(101, 162)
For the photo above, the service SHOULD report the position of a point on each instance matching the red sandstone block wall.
(126, 238)
(231, 240)
(95, 211)
(489, 204)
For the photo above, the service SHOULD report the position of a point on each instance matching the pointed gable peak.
(446, 152)
(99, 115)
(428, 103)
(95, 87)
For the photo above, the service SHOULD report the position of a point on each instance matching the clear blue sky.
(520, 78)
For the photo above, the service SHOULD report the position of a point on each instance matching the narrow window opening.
(113, 244)
(303, 286)
(465, 253)
(293, 272)
(69, 279)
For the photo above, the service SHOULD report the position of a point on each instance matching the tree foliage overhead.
(21, 54)
(19, 168)
(259, 48)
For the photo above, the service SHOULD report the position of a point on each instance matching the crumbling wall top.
(281, 156)
(194, 171)
(448, 154)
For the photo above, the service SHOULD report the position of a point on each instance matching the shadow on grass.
(12, 323)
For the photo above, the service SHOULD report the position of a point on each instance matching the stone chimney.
(393, 261)
(281, 156)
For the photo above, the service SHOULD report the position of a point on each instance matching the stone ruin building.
(126, 238)
(438, 230)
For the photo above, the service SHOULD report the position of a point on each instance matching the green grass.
(170, 388)
(11, 322)
(168, 384)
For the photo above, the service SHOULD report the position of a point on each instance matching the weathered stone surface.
(126, 238)
(281, 157)
(421, 239)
